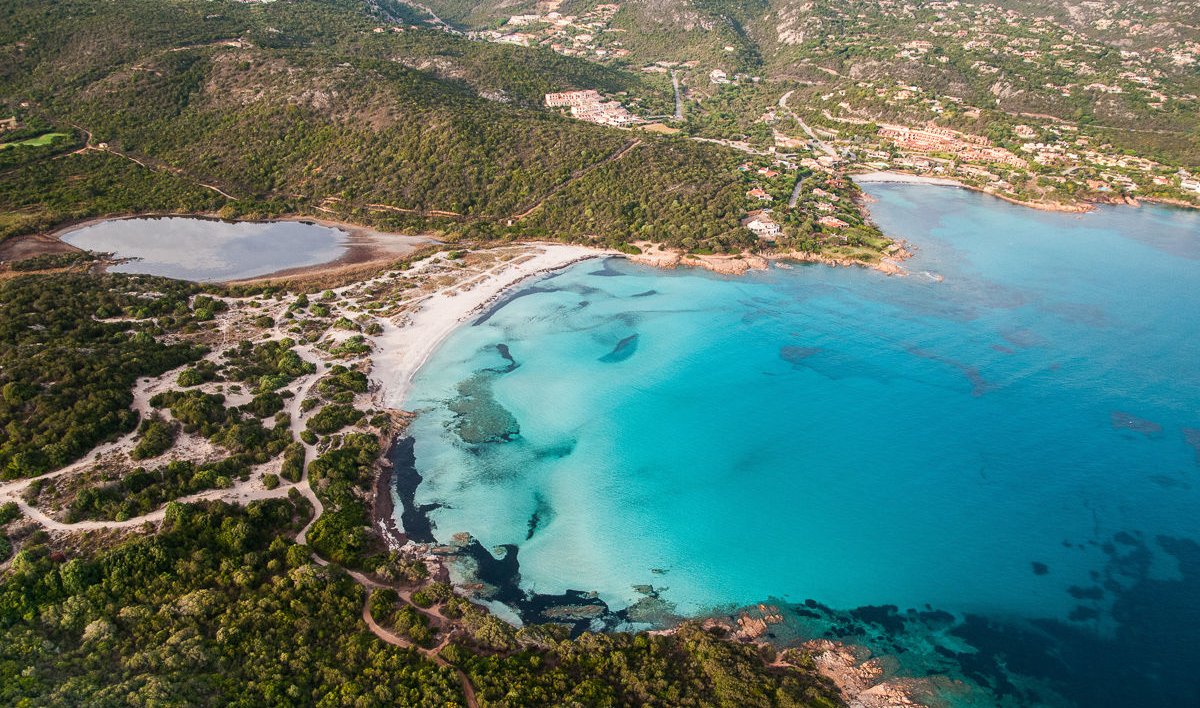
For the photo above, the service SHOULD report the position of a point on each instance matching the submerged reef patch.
(542, 514)
(1192, 436)
(478, 416)
(1128, 421)
(622, 351)
(504, 301)
(507, 356)
(795, 355)
(414, 518)
(498, 578)
(979, 385)
(606, 269)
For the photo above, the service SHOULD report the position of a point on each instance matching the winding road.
(825, 147)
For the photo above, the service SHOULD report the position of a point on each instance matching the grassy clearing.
(39, 141)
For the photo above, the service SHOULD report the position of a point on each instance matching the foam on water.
(1008, 444)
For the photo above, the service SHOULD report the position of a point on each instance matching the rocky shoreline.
(656, 256)
(865, 679)
(1078, 207)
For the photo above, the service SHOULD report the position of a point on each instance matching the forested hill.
(335, 108)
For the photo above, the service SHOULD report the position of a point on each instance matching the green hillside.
(324, 108)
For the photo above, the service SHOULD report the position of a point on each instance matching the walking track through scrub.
(243, 492)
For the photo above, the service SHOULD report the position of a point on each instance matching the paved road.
(826, 147)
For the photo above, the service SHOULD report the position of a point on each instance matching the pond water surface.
(191, 248)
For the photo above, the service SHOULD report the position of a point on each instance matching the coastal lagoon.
(988, 469)
(191, 248)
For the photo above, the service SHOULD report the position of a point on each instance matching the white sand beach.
(404, 347)
(904, 178)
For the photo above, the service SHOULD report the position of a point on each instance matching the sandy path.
(241, 492)
(403, 349)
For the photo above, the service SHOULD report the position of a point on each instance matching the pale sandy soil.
(404, 347)
(190, 447)
(904, 178)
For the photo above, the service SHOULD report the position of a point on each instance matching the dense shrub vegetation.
(156, 436)
(693, 668)
(213, 610)
(267, 366)
(293, 462)
(340, 384)
(67, 368)
(217, 608)
(142, 491)
(340, 477)
(205, 414)
(333, 418)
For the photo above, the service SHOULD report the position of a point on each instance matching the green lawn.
(39, 141)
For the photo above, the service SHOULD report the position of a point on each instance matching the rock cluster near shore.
(861, 677)
(657, 256)
(653, 254)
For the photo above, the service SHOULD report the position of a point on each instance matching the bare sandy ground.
(404, 347)
(903, 178)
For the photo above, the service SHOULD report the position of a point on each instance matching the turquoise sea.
(988, 470)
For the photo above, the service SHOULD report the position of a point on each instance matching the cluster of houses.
(761, 221)
(590, 106)
(762, 225)
(757, 193)
(936, 139)
(570, 35)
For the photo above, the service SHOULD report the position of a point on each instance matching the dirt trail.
(426, 213)
(253, 489)
(577, 175)
(433, 655)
